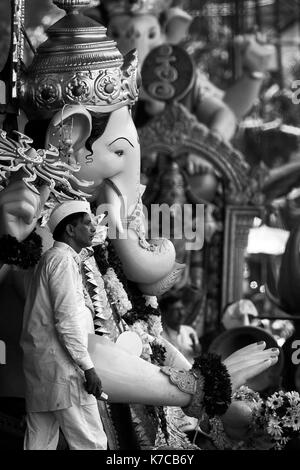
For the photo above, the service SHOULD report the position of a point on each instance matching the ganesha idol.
(147, 24)
(77, 94)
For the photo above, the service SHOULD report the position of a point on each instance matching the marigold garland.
(25, 254)
(141, 315)
(217, 384)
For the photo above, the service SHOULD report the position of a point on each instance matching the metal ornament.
(40, 167)
(78, 64)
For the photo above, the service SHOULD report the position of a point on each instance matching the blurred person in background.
(183, 337)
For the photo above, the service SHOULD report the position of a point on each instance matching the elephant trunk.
(153, 265)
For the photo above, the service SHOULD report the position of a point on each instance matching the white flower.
(293, 422)
(140, 327)
(294, 398)
(274, 402)
(146, 353)
(116, 292)
(296, 423)
(281, 443)
(274, 428)
(247, 394)
(151, 300)
(154, 325)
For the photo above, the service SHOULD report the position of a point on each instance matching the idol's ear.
(72, 123)
(177, 24)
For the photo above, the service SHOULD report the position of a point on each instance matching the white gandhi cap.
(61, 211)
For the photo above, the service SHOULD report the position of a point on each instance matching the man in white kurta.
(58, 369)
(183, 337)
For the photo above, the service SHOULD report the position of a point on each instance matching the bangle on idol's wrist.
(208, 382)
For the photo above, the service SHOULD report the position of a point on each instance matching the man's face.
(175, 314)
(83, 232)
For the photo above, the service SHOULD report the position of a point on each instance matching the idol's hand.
(238, 423)
(248, 362)
(257, 54)
(20, 209)
(195, 165)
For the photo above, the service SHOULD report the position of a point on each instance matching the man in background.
(183, 337)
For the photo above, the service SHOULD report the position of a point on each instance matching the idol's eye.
(152, 33)
(120, 153)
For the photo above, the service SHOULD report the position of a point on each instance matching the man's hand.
(93, 384)
(256, 53)
(195, 165)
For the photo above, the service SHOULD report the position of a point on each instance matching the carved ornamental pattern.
(176, 131)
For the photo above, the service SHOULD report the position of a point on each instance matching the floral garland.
(273, 423)
(116, 292)
(217, 432)
(219, 437)
(279, 417)
(139, 312)
(217, 385)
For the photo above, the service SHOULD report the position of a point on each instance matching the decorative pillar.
(238, 221)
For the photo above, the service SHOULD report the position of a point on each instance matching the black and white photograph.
(150, 228)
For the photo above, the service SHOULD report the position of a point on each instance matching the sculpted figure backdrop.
(156, 29)
(145, 25)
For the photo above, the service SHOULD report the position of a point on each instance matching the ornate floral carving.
(47, 92)
(79, 88)
(176, 131)
(108, 86)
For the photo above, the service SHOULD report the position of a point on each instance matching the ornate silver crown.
(78, 64)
